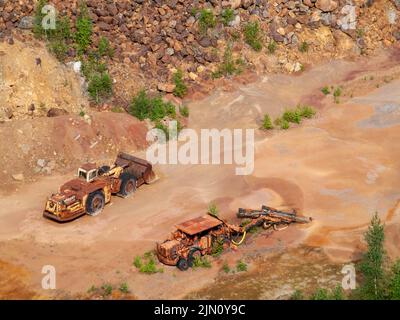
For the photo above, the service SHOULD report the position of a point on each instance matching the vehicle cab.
(88, 172)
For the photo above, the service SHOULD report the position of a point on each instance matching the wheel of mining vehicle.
(95, 203)
(128, 184)
(193, 254)
(182, 264)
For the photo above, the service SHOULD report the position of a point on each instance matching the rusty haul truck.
(197, 237)
(92, 190)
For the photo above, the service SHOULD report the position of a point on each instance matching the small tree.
(372, 264)
(394, 287)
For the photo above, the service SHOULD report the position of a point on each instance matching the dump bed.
(140, 168)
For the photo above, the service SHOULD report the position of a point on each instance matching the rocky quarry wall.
(152, 38)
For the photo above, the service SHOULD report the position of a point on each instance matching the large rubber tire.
(182, 264)
(95, 203)
(128, 185)
(193, 253)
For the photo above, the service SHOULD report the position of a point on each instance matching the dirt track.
(339, 168)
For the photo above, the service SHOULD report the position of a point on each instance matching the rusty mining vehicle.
(92, 190)
(198, 236)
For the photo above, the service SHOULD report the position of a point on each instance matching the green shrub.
(282, 123)
(325, 294)
(107, 289)
(184, 111)
(63, 28)
(100, 87)
(124, 288)
(59, 49)
(206, 20)
(104, 48)
(226, 268)
(320, 294)
(252, 35)
(180, 86)
(292, 116)
(229, 66)
(394, 283)
(116, 109)
(84, 29)
(325, 90)
(241, 266)
(304, 46)
(306, 112)
(217, 247)
(201, 262)
(38, 30)
(272, 47)
(336, 94)
(227, 16)
(372, 263)
(267, 123)
(150, 267)
(137, 262)
(213, 209)
(155, 109)
(297, 295)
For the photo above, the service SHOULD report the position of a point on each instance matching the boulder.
(326, 5)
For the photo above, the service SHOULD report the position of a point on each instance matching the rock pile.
(155, 37)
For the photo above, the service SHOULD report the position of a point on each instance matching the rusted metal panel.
(89, 166)
(198, 225)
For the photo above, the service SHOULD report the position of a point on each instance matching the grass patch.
(184, 111)
(304, 47)
(84, 29)
(107, 289)
(104, 48)
(207, 20)
(241, 266)
(124, 288)
(272, 46)
(217, 247)
(117, 110)
(201, 262)
(226, 267)
(267, 123)
(325, 90)
(229, 66)
(180, 86)
(147, 264)
(282, 123)
(252, 35)
(227, 16)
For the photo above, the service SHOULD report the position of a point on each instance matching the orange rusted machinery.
(269, 217)
(92, 190)
(194, 238)
(198, 236)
